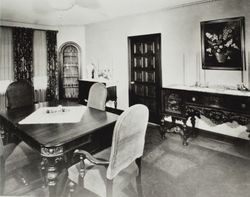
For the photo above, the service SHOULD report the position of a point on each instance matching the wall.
(106, 43)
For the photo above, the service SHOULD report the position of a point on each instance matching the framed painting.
(222, 44)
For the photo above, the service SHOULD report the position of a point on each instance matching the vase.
(221, 57)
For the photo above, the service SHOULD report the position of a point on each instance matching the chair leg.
(2, 175)
(109, 189)
(20, 175)
(138, 178)
(71, 188)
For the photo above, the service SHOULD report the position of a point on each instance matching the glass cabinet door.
(69, 86)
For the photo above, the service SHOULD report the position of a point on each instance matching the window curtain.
(6, 58)
(23, 53)
(40, 65)
(52, 67)
(6, 62)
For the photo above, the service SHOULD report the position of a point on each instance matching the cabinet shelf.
(71, 76)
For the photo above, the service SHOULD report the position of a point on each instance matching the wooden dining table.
(55, 142)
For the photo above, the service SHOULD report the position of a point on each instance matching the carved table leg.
(51, 166)
(52, 179)
(43, 171)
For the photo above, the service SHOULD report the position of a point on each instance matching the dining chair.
(97, 96)
(16, 154)
(19, 94)
(112, 169)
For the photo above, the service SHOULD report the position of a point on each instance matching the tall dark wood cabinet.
(69, 71)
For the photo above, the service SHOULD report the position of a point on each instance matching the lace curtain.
(23, 53)
(40, 65)
(52, 67)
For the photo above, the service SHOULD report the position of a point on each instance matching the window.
(40, 65)
(40, 60)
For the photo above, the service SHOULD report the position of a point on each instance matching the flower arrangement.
(104, 73)
(222, 45)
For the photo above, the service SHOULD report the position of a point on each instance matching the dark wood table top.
(58, 134)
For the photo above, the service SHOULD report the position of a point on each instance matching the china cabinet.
(69, 71)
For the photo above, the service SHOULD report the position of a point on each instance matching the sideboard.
(219, 105)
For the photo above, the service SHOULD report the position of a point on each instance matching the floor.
(204, 168)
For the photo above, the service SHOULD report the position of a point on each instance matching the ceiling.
(42, 12)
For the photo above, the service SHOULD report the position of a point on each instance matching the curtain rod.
(28, 28)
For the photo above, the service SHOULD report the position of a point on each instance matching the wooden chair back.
(19, 94)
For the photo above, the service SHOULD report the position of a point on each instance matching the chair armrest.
(91, 158)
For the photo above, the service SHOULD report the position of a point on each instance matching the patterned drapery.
(52, 67)
(23, 53)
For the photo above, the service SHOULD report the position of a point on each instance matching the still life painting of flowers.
(223, 44)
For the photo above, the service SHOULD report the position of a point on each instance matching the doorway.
(145, 73)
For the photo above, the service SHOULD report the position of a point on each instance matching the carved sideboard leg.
(185, 134)
(163, 127)
(194, 132)
(248, 129)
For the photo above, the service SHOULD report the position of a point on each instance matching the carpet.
(204, 168)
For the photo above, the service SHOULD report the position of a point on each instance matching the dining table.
(55, 130)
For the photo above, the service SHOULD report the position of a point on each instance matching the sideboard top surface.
(218, 90)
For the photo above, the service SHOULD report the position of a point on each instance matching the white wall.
(106, 43)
